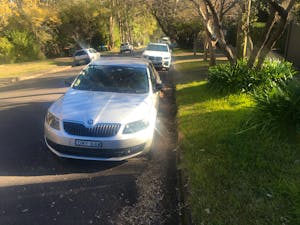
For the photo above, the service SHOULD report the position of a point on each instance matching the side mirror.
(68, 82)
(159, 86)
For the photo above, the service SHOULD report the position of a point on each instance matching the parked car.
(104, 48)
(166, 40)
(159, 54)
(108, 113)
(85, 56)
(126, 47)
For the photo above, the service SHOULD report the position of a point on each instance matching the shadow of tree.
(188, 94)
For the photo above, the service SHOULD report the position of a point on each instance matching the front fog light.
(135, 126)
(52, 121)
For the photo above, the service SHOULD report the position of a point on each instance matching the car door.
(81, 56)
(96, 55)
(155, 79)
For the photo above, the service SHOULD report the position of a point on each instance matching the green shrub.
(277, 111)
(274, 72)
(226, 78)
(239, 78)
(25, 47)
(5, 50)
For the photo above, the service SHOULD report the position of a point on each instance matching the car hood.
(102, 107)
(157, 53)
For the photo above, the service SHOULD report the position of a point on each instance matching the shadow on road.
(56, 80)
(23, 151)
(91, 200)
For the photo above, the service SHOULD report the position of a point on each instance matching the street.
(37, 187)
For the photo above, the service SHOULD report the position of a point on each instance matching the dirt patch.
(157, 201)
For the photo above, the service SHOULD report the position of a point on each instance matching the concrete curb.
(12, 80)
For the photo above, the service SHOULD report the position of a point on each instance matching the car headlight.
(135, 126)
(145, 56)
(52, 121)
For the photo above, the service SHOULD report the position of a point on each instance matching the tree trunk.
(275, 28)
(276, 34)
(239, 36)
(212, 55)
(195, 44)
(227, 51)
(269, 25)
(247, 28)
(111, 25)
(205, 47)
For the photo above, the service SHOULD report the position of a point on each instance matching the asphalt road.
(38, 188)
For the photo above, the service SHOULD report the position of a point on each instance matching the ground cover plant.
(234, 177)
(277, 111)
(236, 78)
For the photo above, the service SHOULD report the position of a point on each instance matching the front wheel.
(75, 63)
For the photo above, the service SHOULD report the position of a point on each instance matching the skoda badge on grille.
(90, 122)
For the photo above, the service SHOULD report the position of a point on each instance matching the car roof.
(120, 61)
(83, 49)
(151, 43)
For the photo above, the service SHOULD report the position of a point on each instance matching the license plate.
(90, 144)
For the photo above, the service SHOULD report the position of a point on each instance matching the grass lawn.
(234, 178)
(27, 68)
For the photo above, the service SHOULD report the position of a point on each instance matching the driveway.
(37, 187)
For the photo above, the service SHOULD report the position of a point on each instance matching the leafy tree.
(6, 11)
(278, 17)
(6, 49)
(80, 21)
(177, 19)
(25, 48)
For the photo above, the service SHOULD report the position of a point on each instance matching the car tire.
(76, 63)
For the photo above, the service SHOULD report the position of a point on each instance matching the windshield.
(113, 79)
(160, 48)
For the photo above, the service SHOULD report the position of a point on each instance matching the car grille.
(99, 130)
(153, 58)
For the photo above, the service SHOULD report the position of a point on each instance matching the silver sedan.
(108, 113)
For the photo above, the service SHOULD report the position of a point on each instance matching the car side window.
(80, 53)
(93, 50)
(152, 78)
(155, 79)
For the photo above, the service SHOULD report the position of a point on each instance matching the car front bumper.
(117, 148)
(161, 64)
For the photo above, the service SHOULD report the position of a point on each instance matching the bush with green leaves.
(6, 50)
(226, 78)
(277, 111)
(25, 47)
(236, 78)
(275, 71)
